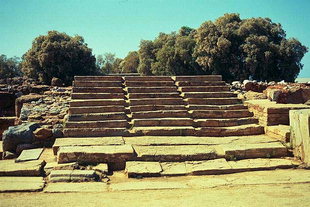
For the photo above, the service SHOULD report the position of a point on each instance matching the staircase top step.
(148, 78)
(198, 78)
(105, 78)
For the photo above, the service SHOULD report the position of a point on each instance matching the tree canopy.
(58, 55)
(9, 67)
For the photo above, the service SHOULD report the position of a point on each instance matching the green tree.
(9, 67)
(130, 63)
(58, 55)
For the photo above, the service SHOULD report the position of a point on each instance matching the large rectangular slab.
(163, 131)
(28, 168)
(21, 184)
(217, 166)
(95, 154)
(89, 141)
(175, 153)
(30, 154)
(144, 169)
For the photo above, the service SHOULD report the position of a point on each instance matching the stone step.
(156, 107)
(248, 129)
(95, 109)
(95, 154)
(217, 107)
(200, 83)
(220, 114)
(163, 122)
(156, 101)
(97, 84)
(97, 124)
(28, 168)
(94, 132)
(208, 94)
(153, 95)
(213, 101)
(148, 78)
(148, 83)
(98, 78)
(97, 90)
(175, 153)
(160, 114)
(97, 102)
(97, 95)
(194, 140)
(98, 116)
(279, 132)
(225, 122)
(198, 78)
(165, 89)
(73, 176)
(204, 88)
(163, 131)
(86, 141)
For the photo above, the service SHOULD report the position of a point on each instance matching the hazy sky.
(117, 26)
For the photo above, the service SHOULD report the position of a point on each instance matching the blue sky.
(117, 26)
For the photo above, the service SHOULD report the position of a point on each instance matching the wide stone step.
(28, 168)
(204, 88)
(163, 122)
(163, 131)
(217, 107)
(208, 94)
(175, 153)
(97, 124)
(200, 83)
(97, 95)
(165, 89)
(198, 78)
(98, 116)
(224, 122)
(153, 95)
(97, 102)
(160, 114)
(94, 132)
(97, 84)
(95, 154)
(220, 113)
(157, 101)
(96, 109)
(156, 107)
(148, 83)
(213, 101)
(98, 78)
(194, 140)
(249, 129)
(97, 90)
(86, 141)
(148, 78)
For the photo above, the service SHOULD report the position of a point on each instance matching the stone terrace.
(165, 126)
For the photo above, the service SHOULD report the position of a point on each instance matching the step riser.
(163, 123)
(178, 158)
(98, 78)
(217, 132)
(156, 108)
(202, 83)
(97, 103)
(152, 95)
(148, 84)
(198, 78)
(151, 89)
(97, 90)
(89, 132)
(205, 89)
(225, 123)
(176, 132)
(134, 102)
(97, 84)
(148, 78)
(159, 114)
(110, 124)
(210, 107)
(221, 114)
(97, 117)
(213, 101)
(78, 110)
(208, 95)
(97, 96)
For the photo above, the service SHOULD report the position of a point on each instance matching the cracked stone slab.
(144, 169)
(175, 153)
(30, 154)
(95, 154)
(88, 141)
(21, 184)
(73, 175)
(173, 168)
(147, 185)
(217, 166)
(76, 187)
(28, 168)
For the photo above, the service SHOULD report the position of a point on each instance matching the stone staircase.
(160, 126)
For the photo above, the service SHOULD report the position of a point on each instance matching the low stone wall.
(300, 134)
(270, 113)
